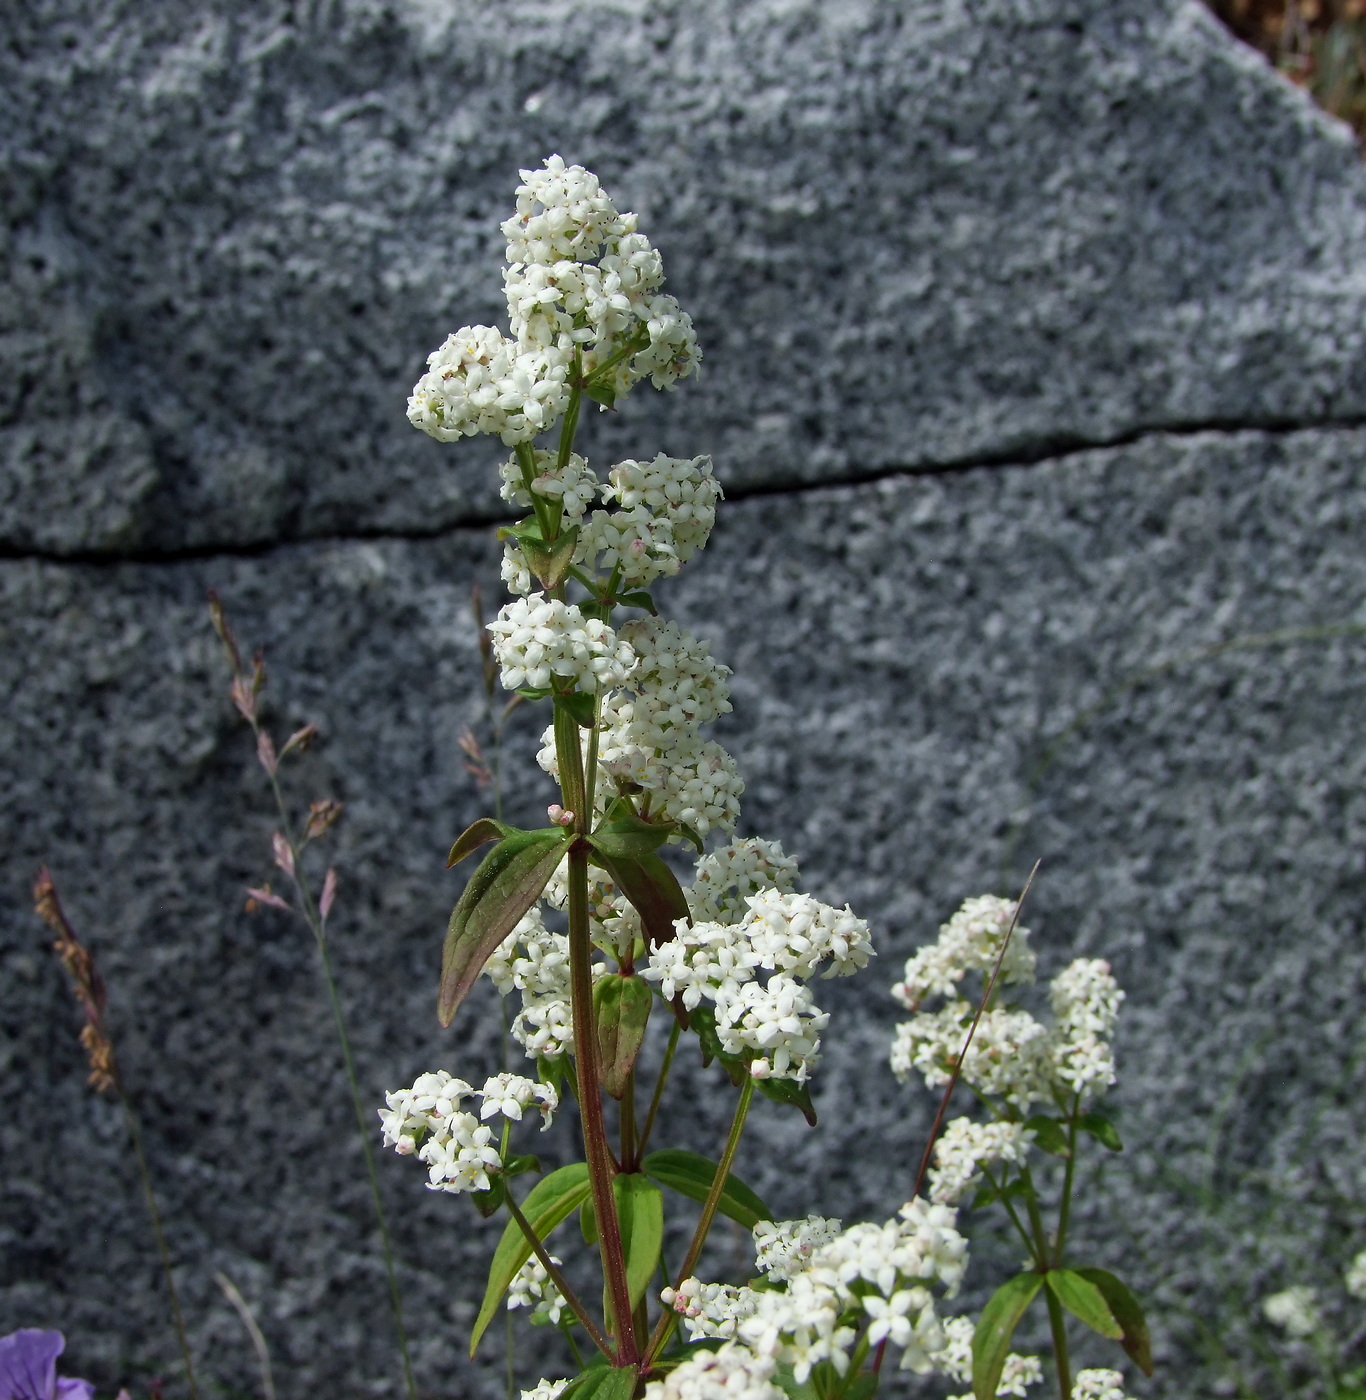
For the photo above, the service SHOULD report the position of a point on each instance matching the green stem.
(314, 919)
(669, 1318)
(659, 1088)
(1069, 1172)
(176, 1316)
(556, 1277)
(569, 427)
(1058, 1324)
(1010, 1211)
(1035, 1219)
(629, 1155)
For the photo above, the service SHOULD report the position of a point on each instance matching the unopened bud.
(559, 815)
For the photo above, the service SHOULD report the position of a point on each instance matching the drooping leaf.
(1048, 1134)
(988, 1195)
(601, 392)
(630, 837)
(1102, 1129)
(621, 1008)
(1084, 1300)
(507, 883)
(582, 705)
(996, 1327)
(469, 840)
(691, 1175)
(652, 888)
(640, 1214)
(788, 1091)
(1128, 1312)
(489, 1203)
(549, 1202)
(638, 599)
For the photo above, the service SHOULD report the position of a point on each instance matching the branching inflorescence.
(592, 931)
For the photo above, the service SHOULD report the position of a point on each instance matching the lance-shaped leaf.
(653, 890)
(629, 837)
(1083, 1299)
(788, 1091)
(1102, 1129)
(621, 1008)
(480, 834)
(691, 1175)
(549, 1202)
(602, 1383)
(1128, 1312)
(1048, 1134)
(995, 1328)
(549, 562)
(640, 1213)
(507, 883)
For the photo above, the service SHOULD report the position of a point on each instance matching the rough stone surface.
(909, 234)
(1139, 664)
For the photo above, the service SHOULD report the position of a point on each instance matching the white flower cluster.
(1012, 1056)
(1355, 1277)
(882, 1272)
(534, 961)
(725, 878)
(969, 942)
(581, 277)
(1295, 1310)
(545, 1390)
(531, 1288)
(732, 1373)
(583, 285)
(965, 1147)
(1086, 1001)
(478, 381)
(1097, 1383)
(539, 639)
(954, 1359)
(456, 1146)
(774, 1024)
(784, 1248)
(668, 508)
(648, 740)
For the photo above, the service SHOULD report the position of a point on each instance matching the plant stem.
(1058, 1324)
(556, 1277)
(176, 1316)
(1069, 1173)
(659, 1088)
(526, 459)
(568, 428)
(669, 1318)
(1010, 1211)
(629, 1155)
(313, 917)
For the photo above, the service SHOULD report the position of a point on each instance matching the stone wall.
(1034, 371)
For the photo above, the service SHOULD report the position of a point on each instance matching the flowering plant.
(588, 924)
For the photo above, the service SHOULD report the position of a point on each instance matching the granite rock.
(910, 235)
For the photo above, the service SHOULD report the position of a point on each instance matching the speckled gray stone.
(910, 234)
(1143, 665)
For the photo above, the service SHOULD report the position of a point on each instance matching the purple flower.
(28, 1368)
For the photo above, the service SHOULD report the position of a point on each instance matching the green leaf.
(601, 393)
(588, 1222)
(482, 832)
(630, 837)
(489, 1203)
(1048, 1134)
(652, 888)
(691, 1175)
(987, 1195)
(549, 1202)
(991, 1340)
(1102, 1129)
(550, 562)
(788, 1091)
(593, 607)
(640, 1213)
(792, 1387)
(1083, 1299)
(703, 1022)
(860, 1387)
(638, 599)
(1128, 1312)
(582, 705)
(515, 1166)
(621, 1008)
(602, 1383)
(507, 883)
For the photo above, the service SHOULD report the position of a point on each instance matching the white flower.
(679, 492)
(725, 878)
(704, 960)
(969, 942)
(509, 1094)
(954, 1359)
(531, 1288)
(425, 1108)
(784, 1249)
(1086, 1000)
(574, 486)
(477, 381)
(732, 1373)
(537, 640)
(1295, 1309)
(460, 1158)
(562, 212)
(545, 1390)
(1006, 1058)
(779, 1021)
(1096, 1383)
(965, 1147)
(710, 1309)
(794, 934)
(1355, 1278)
(677, 683)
